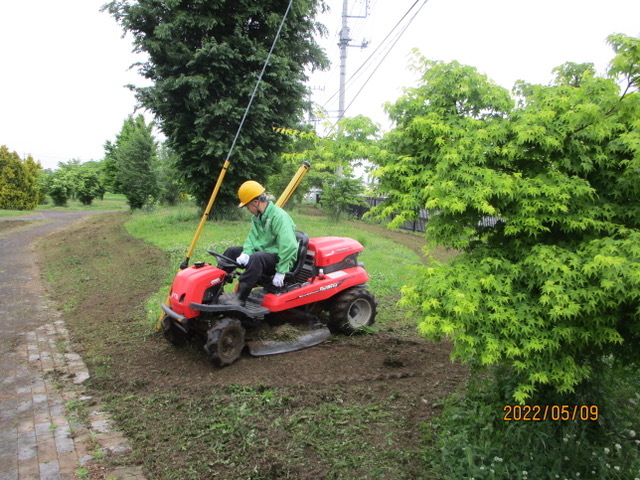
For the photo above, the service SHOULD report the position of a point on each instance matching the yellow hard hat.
(248, 191)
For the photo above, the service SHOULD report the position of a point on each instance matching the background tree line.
(147, 172)
(135, 165)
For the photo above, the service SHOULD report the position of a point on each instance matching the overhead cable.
(381, 45)
(255, 89)
(385, 56)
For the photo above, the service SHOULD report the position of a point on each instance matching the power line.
(357, 31)
(377, 49)
(255, 89)
(388, 51)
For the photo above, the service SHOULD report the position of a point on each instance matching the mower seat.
(303, 244)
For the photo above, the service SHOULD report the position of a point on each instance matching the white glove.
(243, 259)
(278, 279)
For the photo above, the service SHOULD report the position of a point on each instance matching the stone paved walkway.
(49, 428)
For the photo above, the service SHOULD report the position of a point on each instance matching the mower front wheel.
(352, 310)
(225, 341)
(172, 333)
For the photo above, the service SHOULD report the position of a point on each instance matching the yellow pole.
(205, 216)
(293, 184)
(196, 236)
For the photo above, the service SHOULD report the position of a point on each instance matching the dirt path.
(21, 294)
(36, 439)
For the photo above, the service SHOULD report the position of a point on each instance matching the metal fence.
(417, 225)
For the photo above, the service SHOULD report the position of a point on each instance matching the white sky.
(64, 67)
(508, 40)
(64, 64)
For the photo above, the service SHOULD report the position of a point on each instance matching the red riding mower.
(327, 277)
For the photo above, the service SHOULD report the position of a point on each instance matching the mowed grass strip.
(181, 425)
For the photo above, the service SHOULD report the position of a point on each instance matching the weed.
(78, 410)
(475, 441)
(364, 330)
(98, 455)
(82, 473)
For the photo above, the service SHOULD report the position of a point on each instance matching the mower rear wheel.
(352, 310)
(225, 341)
(172, 333)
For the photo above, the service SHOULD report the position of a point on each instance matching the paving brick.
(47, 451)
(24, 406)
(8, 462)
(44, 429)
(9, 446)
(64, 444)
(41, 416)
(56, 409)
(9, 475)
(50, 470)
(69, 474)
(39, 377)
(125, 473)
(81, 377)
(68, 461)
(26, 426)
(8, 436)
(101, 426)
(9, 421)
(27, 446)
(29, 469)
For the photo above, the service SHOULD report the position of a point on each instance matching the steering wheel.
(229, 261)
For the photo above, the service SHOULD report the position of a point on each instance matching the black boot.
(241, 295)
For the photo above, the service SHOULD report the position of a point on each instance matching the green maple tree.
(550, 287)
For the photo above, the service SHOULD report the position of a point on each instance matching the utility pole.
(345, 41)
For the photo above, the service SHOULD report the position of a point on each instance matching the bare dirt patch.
(7, 225)
(183, 415)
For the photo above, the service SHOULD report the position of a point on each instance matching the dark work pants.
(260, 263)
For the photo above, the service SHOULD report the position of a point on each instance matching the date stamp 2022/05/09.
(540, 413)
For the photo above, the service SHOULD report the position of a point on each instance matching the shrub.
(19, 188)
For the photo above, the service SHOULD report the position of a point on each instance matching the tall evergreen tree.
(110, 162)
(135, 154)
(204, 58)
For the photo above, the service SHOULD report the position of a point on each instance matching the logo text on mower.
(321, 289)
(327, 287)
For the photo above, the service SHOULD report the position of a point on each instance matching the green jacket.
(273, 232)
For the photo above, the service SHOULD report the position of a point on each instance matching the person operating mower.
(270, 247)
(314, 282)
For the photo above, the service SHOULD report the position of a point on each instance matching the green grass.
(475, 441)
(111, 201)
(15, 213)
